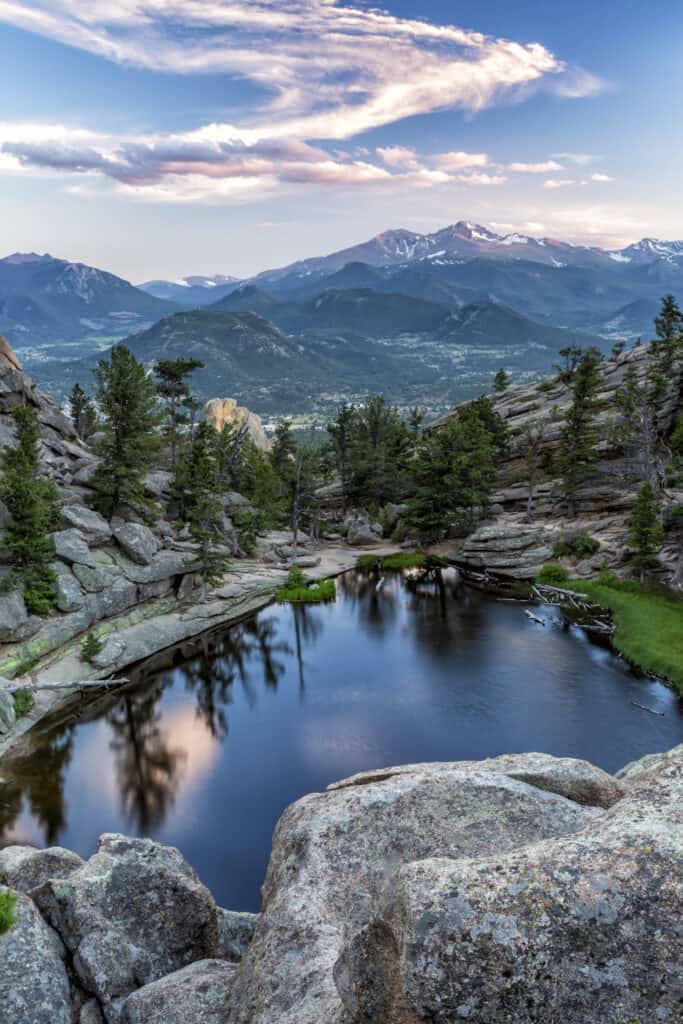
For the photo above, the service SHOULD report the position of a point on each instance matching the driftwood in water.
(643, 708)
(81, 684)
(534, 618)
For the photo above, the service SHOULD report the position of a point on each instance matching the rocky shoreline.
(525, 888)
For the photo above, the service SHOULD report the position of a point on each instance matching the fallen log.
(534, 618)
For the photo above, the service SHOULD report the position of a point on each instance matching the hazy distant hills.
(47, 299)
(388, 314)
(197, 290)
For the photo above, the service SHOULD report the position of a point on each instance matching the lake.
(213, 739)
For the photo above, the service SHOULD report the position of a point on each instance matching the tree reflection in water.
(376, 606)
(148, 770)
(37, 780)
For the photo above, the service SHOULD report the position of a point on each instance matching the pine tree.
(533, 439)
(454, 472)
(204, 506)
(127, 399)
(282, 456)
(82, 412)
(669, 329)
(579, 435)
(635, 427)
(501, 382)
(33, 503)
(173, 389)
(340, 432)
(646, 534)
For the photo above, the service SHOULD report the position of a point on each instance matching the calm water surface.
(217, 737)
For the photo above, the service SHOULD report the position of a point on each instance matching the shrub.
(553, 575)
(577, 544)
(23, 702)
(90, 647)
(304, 593)
(8, 904)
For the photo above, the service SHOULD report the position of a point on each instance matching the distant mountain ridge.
(195, 290)
(48, 299)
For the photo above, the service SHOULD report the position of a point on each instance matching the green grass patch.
(297, 591)
(398, 561)
(313, 594)
(648, 620)
(8, 905)
(23, 702)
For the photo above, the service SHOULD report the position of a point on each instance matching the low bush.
(8, 905)
(297, 591)
(23, 702)
(578, 544)
(553, 575)
(90, 647)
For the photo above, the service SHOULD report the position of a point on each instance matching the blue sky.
(226, 136)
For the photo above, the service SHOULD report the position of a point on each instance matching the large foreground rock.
(578, 930)
(132, 914)
(34, 986)
(336, 856)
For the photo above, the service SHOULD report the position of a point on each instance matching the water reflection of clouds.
(340, 745)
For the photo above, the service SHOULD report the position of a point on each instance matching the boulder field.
(526, 888)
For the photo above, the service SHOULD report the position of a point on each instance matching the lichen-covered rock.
(361, 532)
(579, 929)
(13, 615)
(335, 854)
(95, 579)
(34, 986)
(197, 994)
(131, 914)
(24, 867)
(137, 541)
(71, 546)
(69, 593)
(235, 932)
(7, 716)
(92, 525)
(110, 654)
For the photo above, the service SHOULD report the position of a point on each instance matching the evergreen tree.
(454, 472)
(669, 330)
(501, 382)
(33, 503)
(127, 399)
(380, 450)
(572, 356)
(579, 434)
(635, 427)
(174, 390)
(341, 432)
(304, 504)
(646, 534)
(533, 438)
(282, 456)
(204, 506)
(82, 412)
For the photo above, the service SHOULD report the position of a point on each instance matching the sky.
(162, 138)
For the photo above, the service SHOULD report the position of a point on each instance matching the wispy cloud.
(325, 70)
(544, 167)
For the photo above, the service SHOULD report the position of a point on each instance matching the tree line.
(139, 421)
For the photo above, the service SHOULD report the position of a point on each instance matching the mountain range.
(418, 316)
(48, 299)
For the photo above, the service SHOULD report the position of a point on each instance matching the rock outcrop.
(220, 411)
(525, 888)
(508, 543)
